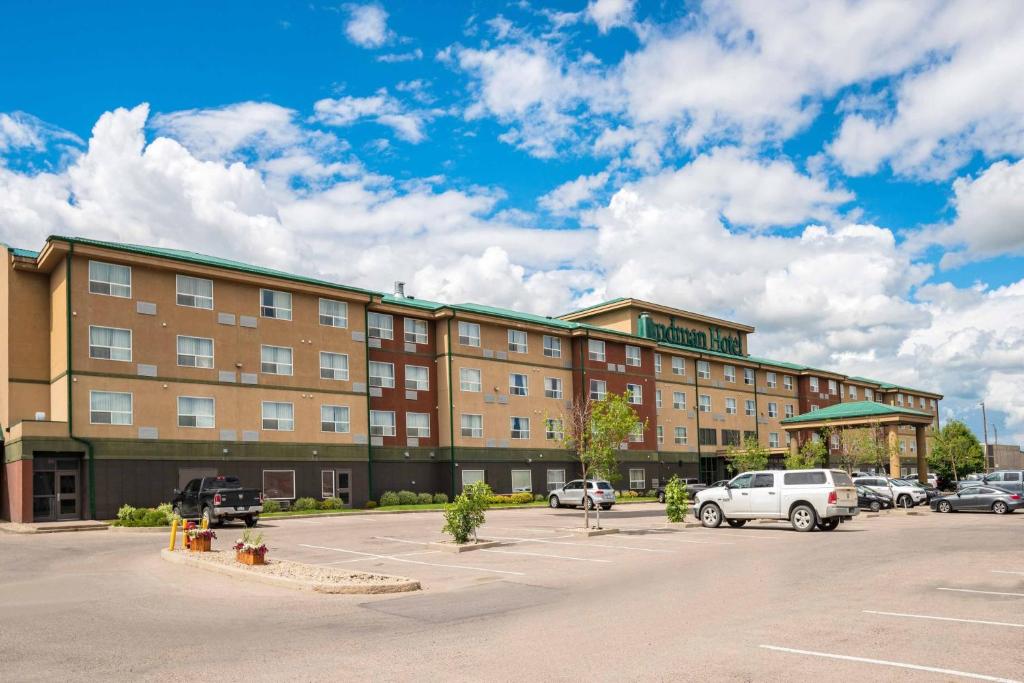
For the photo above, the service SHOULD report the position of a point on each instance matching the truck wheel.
(829, 524)
(208, 515)
(904, 501)
(176, 511)
(736, 523)
(802, 518)
(711, 516)
(251, 521)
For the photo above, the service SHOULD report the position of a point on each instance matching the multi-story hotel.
(129, 370)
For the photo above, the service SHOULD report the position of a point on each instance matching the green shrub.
(406, 498)
(675, 500)
(331, 504)
(425, 498)
(500, 500)
(124, 513)
(168, 511)
(652, 493)
(371, 504)
(539, 498)
(154, 518)
(466, 514)
(440, 497)
(522, 498)
(271, 506)
(389, 498)
(306, 504)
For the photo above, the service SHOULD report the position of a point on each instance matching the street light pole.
(984, 426)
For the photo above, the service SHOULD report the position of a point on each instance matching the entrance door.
(326, 484)
(68, 506)
(44, 486)
(344, 488)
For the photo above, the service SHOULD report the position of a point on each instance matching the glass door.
(43, 490)
(67, 496)
(326, 484)
(344, 490)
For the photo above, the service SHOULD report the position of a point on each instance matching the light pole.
(984, 426)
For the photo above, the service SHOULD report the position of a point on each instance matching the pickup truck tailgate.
(846, 496)
(239, 498)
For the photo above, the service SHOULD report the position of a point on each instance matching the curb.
(182, 558)
(141, 529)
(464, 547)
(17, 528)
(273, 516)
(587, 533)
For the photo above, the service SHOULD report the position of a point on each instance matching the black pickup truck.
(216, 499)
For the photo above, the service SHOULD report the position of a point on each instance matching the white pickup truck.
(807, 498)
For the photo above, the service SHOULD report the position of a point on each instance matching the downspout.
(696, 396)
(90, 453)
(451, 408)
(369, 434)
(757, 421)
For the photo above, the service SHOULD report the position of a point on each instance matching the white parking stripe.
(367, 559)
(971, 590)
(884, 662)
(403, 559)
(1001, 571)
(928, 616)
(588, 545)
(556, 557)
(671, 539)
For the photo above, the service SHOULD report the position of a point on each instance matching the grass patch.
(390, 508)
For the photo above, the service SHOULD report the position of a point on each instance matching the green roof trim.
(856, 409)
(23, 253)
(777, 363)
(411, 302)
(515, 315)
(592, 307)
(888, 386)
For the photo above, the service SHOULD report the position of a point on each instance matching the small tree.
(464, 515)
(594, 432)
(868, 446)
(676, 500)
(955, 452)
(751, 457)
(810, 456)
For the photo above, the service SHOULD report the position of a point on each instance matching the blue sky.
(845, 176)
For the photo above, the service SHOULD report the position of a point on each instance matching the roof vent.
(399, 288)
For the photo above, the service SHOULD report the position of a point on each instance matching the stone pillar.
(922, 454)
(894, 453)
(794, 446)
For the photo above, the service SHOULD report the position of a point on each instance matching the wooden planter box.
(200, 545)
(249, 558)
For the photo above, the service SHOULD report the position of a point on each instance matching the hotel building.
(129, 370)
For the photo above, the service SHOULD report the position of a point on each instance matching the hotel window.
(552, 387)
(110, 408)
(278, 417)
(472, 426)
(636, 435)
(415, 331)
(833, 387)
(469, 379)
(835, 442)
(517, 341)
(703, 369)
(813, 408)
(518, 385)
(730, 437)
(749, 408)
(598, 389)
(705, 403)
(382, 423)
(787, 381)
(194, 292)
(472, 477)
(869, 395)
(748, 376)
(899, 399)
(552, 346)
(194, 411)
(333, 365)
(771, 379)
(921, 401)
(197, 352)
(730, 406)
(275, 304)
(932, 403)
(110, 343)
(595, 349)
(632, 355)
(707, 436)
(556, 479)
(380, 326)
(469, 334)
(520, 427)
(789, 410)
(748, 435)
(730, 373)
(773, 409)
(660, 431)
(678, 366)
(657, 399)
(814, 383)
(681, 438)
(635, 394)
(853, 392)
(417, 425)
(334, 419)
(279, 484)
(110, 279)
(637, 480)
(903, 447)
(679, 400)
(789, 439)
(522, 480)
(333, 313)
(417, 378)
(657, 363)
(773, 440)
(274, 360)
(553, 429)
(382, 374)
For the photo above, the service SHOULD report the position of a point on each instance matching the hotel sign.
(714, 339)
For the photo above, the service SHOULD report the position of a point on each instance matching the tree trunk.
(586, 508)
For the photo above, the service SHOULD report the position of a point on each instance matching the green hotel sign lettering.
(714, 339)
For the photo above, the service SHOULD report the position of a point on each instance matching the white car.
(807, 498)
(904, 495)
(599, 492)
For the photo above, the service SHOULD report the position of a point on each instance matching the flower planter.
(250, 558)
(200, 544)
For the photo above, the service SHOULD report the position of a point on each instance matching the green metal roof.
(515, 315)
(856, 409)
(411, 302)
(589, 308)
(25, 253)
(777, 363)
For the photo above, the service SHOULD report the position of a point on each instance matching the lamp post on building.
(984, 426)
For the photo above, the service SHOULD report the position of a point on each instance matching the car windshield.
(223, 483)
(603, 485)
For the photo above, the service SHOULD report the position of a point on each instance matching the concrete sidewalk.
(52, 527)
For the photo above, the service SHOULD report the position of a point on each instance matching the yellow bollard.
(174, 534)
(204, 524)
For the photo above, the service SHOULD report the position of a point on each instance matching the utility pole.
(984, 426)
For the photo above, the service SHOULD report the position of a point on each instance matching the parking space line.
(364, 559)
(587, 545)
(671, 539)
(407, 560)
(556, 557)
(929, 616)
(401, 540)
(884, 662)
(971, 590)
(1002, 571)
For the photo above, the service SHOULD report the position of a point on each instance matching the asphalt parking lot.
(923, 597)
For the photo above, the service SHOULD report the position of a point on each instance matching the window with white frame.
(596, 350)
(110, 279)
(789, 410)
(333, 365)
(749, 409)
(657, 363)
(678, 365)
(921, 401)
(553, 429)
(853, 392)
(382, 374)
(197, 352)
(679, 400)
(380, 325)
(635, 394)
(472, 426)
(195, 411)
(773, 409)
(278, 416)
(637, 480)
(279, 484)
(415, 331)
(748, 376)
(382, 423)
(835, 442)
(787, 382)
(417, 425)
(556, 479)
(552, 387)
(274, 360)
(518, 384)
(681, 437)
(275, 304)
(833, 388)
(703, 369)
(632, 355)
(334, 419)
(869, 395)
(552, 346)
(899, 398)
(417, 378)
(705, 403)
(333, 313)
(771, 379)
(598, 389)
(657, 399)
(469, 333)
(110, 343)
(194, 292)
(730, 373)
(469, 379)
(814, 408)
(813, 383)
(517, 341)
(470, 477)
(110, 407)
(730, 406)
(773, 440)
(636, 435)
(522, 480)
(932, 403)
(660, 431)
(520, 427)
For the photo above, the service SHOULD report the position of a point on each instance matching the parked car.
(1010, 480)
(904, 494)
(217, 499)
(807, 498)
(870, 500)
(981, 499)
(693, 487)
(929, 490)
(598, 492)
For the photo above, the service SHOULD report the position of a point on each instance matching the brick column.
(794, 446)
(894, 454)
(922, 453)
